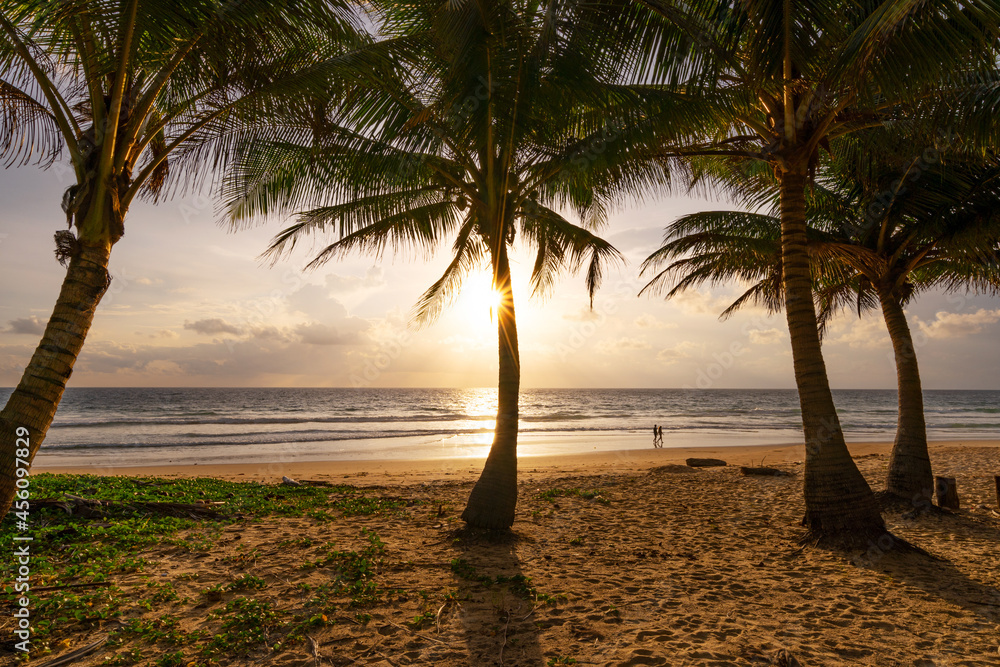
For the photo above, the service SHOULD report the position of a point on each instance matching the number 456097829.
(22, 453)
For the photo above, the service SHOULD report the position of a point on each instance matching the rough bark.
(910, 475)
(35, 400)
(947, 492)
(840, 506)
(494, 497)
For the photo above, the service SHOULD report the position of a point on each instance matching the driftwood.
(670, 467)
(91, 508)
(947, 492)
(97, 584)
(764, 471)
(75, 655)
(704, 463)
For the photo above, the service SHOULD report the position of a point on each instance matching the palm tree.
(787, 80)
(132, 91)
(880, 235)
(937, 229)
(472, 122)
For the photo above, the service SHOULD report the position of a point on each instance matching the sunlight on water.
(143, 426)
(477, 403)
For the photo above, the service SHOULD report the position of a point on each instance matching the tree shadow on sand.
(936, 576)
(495, 602)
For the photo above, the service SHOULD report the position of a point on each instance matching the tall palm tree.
(789, 79)
(132, 91)
(880, 234)
(473, 122)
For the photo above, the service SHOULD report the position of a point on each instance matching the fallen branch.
(99, 584)
(704, 463)
(504, 644)
(764, 471)
(89, 508)
(75, 655)
(314, 648)
(437, 616)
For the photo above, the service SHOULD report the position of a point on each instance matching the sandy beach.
(631, 558)
(387, 471)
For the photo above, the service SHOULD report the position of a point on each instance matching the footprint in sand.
(643, 657)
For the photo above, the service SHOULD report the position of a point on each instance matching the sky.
(191, 304)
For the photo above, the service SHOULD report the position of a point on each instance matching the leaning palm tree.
(788, 80)
(132, 91)
(938, 228)
(471, 122)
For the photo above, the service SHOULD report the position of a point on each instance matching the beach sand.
(666, 565)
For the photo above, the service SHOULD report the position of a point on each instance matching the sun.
(478, 300)
(473, 315)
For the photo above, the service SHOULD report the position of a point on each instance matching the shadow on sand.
(936, 576)
(495, 605)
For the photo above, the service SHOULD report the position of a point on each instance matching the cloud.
(958, 325)
(211, 327)
(649, 322)
(766, 336)
(269, 333)
(696, 302)
(374, 277)
(26, 325)
(462, 343)
(315, 333)
(246, 361)
(866, 334)
(583, 315)
(622, 345)
(315, 302)
(684, 350)
(163, 333)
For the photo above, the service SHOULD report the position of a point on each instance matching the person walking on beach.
(659, 435)
(656, 435)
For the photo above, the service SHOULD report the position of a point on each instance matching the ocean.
(128, 426)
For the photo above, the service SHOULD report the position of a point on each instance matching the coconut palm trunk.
(35, 400)
(910, 475)
(839, 501)
(494, 497)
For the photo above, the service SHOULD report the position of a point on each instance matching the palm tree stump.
(947, 492)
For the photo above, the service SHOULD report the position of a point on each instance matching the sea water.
(129, 426)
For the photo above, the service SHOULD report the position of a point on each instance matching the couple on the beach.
(657, 436)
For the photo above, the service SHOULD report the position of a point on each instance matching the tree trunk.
(33, 403)
(494, 497)
(947, 492)
(910, 475)
(840, 506)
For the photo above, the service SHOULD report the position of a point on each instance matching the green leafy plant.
(247, 582)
